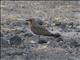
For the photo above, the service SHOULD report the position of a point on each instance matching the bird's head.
(35, 21)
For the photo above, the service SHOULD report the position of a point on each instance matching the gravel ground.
(19, 43)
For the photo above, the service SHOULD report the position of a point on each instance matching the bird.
(38, 28)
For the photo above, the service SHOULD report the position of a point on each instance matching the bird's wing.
(44, 30)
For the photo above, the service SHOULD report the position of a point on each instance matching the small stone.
(73, 58)
(13, 24)
(59, 39)
(19, 52)
(57, 23)
(42, 41)
(15, 40)
(3, 42)
(71, 24)
(63, 25)
(32, 42)
(78, 29)
(74, 44)
(1, 35)
(28, 34)
(2, 54)
(10, 51)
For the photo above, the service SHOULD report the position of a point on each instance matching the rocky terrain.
(18, 42)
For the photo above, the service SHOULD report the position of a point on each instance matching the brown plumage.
(38, 28)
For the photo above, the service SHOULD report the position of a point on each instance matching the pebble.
(15, 40)
(42, 41)
(14, 51)
(78, 29)
(10, 51)
(57, 23)
(59, 39)
(3, 42)
(2, 54)
(73, 58)
(28, 34)
(74, 44)
(1, 35)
